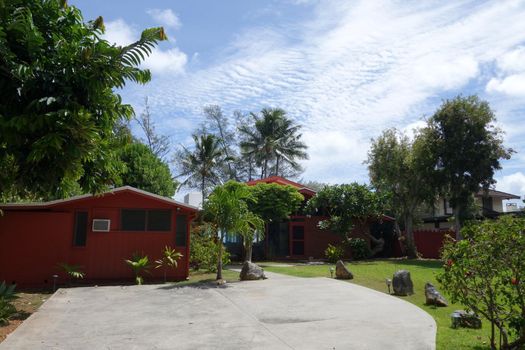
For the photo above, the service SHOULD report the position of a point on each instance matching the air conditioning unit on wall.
(101, 225)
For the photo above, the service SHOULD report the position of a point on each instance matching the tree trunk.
(265, 169)
(250, 169)
(219, 262)
(380, 243)
(409, 234)
(203, 184)
(249, 250)
(457, 222)
(277, 165)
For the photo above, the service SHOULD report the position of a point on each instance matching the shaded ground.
(278, 313)
(26, 303)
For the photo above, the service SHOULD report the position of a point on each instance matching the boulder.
(433, 297)
(402, 283)
(341, 272)
(251, 271)
(462, 318)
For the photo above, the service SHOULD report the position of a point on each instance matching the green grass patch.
(372, 274)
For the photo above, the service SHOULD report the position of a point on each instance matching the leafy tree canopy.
(466, 148)
(400, 167)
(146, 171)
(348, 206)
(274, 202)
(486, 273)
(58, 106)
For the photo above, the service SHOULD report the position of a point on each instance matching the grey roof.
(497, 194)
(85, 196)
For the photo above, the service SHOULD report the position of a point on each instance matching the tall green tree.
(227, 210)
(399, 166)
(466, 148)
(349, 206)
(217, 124)
(58, 103)
(146, 171)
(272, 203)
(201, 166)
(274, 139)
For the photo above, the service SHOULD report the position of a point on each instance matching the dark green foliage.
(359, 248)
(466, 149)
(486, 272)
(204, 250)
(334, 253)
(347, 206)
(58, 106)
(273, 143)
(7, 294)
(274, 202)
(146, 171)
(201, 166)
(401, 167)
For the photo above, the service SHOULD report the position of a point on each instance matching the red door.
(297, 239)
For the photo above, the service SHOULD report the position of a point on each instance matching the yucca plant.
(140, 265)
(7, 294)
(168, 260)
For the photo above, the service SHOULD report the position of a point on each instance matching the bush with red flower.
(485, 272)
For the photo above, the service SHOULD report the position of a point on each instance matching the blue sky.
(345, 70)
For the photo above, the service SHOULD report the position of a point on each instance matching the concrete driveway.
(279, 313)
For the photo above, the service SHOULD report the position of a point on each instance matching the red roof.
(282, 181)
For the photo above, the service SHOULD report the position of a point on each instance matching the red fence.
(428, 243)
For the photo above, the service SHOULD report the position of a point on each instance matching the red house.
(300, 237)
(95, 232)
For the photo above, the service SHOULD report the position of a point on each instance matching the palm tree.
(274, 138)
(202, 165)
(228, 212)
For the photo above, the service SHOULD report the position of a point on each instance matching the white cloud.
(513, 85)
(159, 61)
(119, 32)
(165, 17)
(513, 183)
(356, 68)
(513, 61)
(166, 61)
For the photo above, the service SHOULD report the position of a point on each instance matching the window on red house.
(145, 220)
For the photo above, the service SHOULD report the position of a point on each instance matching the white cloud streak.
(357, 68)
(165, 17)
(159, 61)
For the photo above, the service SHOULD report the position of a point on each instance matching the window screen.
(133, 220)
(181, 231)
(80, 229)
(159, 220)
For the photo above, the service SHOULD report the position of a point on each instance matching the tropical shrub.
(204, 250)
(7, 294)
(334, 253)
(486, 272)
(168, 260)
(73, 271)
(140, 265)
(359, 248)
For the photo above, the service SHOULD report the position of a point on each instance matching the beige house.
(490, 205)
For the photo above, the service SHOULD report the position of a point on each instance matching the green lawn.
(372, 274)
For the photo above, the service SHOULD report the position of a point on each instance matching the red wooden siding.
(34, 240)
